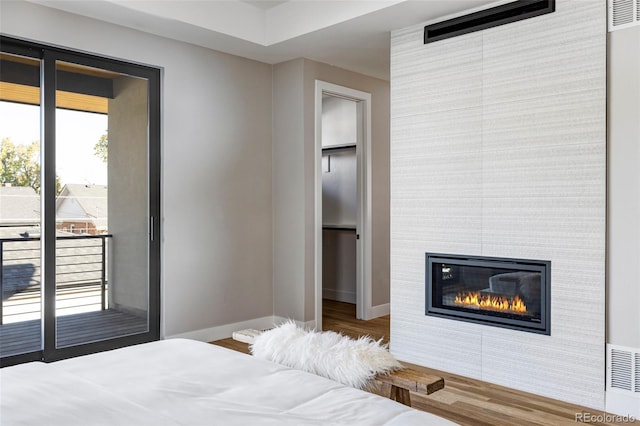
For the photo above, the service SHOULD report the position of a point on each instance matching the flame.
(494, 303)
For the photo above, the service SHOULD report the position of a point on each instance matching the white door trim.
(363, 222)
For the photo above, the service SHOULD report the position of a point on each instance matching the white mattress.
(184, 382)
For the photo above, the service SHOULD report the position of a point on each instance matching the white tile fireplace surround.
(498, 148)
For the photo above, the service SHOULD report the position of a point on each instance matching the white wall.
(623, 214)
(216, 165)
(69, 208)
(498, 149)
(339, 121)
(623, 257)
(339, 188)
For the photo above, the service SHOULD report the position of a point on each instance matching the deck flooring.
(25, 337)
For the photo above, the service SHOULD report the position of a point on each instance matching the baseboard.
(306, 325)
(622, 403)
(379, 311)
(339, 295)
(226, 330)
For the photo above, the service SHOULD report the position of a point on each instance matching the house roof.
(19, 205)
(91, 199)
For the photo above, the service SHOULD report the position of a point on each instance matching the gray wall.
(339, 265)
(128, 194)
(499, 149)
(293, 157)
(289, 212)
(623, 228)
(216, 165)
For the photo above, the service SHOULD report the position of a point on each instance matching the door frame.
(363, 220)
(48, 55)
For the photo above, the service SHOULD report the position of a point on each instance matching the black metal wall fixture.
(493, 17)
(494, 276)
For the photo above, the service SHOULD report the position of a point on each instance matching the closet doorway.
(342, 198)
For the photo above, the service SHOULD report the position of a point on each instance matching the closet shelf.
(339, 227)
(339, 147)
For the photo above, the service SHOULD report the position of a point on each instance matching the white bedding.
(184, 382)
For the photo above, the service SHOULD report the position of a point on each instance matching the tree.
(20, 166)
(101, 148)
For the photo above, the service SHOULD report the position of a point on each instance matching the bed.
(185, 382)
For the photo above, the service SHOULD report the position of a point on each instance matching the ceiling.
(264, 4)
(351, 34)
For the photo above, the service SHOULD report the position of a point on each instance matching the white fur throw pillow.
(328, 354)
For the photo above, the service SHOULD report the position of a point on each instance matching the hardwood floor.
(465, 401)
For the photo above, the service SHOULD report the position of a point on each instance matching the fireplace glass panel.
(506, 292)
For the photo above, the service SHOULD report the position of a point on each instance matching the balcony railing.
(81, 276)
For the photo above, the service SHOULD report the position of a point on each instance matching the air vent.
(623, 14)
(637, 372)
(499, 15)
(623, 369)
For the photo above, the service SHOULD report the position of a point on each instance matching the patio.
(82, 295)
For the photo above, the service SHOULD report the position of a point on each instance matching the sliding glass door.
(98, 233)
(20, 205)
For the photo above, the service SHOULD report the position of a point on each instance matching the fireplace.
(501, 292)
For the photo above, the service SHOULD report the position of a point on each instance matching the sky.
(76, 134)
